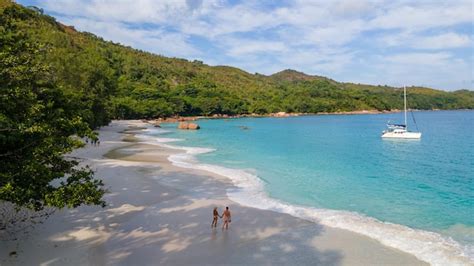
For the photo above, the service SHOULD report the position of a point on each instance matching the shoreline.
(159, 213)
(176, 119)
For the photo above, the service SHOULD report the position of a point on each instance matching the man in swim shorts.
(226, 218)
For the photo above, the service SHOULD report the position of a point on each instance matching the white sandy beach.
(159, 214)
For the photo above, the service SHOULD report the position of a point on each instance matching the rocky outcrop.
(281, 114)
(284, 114)
(193, 126)
(155, 123)
(190, 126)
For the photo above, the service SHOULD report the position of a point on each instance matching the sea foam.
(249, 191)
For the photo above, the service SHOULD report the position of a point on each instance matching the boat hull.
(402, 135)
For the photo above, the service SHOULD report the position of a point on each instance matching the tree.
(37, 125)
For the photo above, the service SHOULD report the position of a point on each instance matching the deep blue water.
(340, 162)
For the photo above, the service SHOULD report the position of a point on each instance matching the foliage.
(37, 120)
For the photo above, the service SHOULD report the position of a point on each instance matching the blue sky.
(427, 43)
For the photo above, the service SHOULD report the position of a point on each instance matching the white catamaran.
(400, 131)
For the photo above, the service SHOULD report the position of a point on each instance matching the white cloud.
(435, 69)
(239, 47)
(424, 16)
(420, 58)
(353, 8)
(446, 40)
(241, 18)
(432, 42)
(325, 18)
(154, 40)
(138, 11)
(335, 34)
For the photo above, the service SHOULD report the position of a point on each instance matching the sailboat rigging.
(400, 131)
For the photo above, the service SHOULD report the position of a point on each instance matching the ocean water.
(414, 195)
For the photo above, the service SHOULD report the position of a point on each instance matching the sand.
(159, 214)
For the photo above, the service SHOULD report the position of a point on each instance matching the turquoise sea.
(415, 195)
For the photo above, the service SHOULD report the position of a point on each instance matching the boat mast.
(405, 104)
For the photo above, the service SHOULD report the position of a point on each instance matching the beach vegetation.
(39, 123)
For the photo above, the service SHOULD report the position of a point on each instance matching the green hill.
(109, 80)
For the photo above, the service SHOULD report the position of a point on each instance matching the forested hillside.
(108, 80)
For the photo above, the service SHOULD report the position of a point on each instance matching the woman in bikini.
(216, 215)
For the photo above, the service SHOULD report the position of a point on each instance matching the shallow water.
(340, 162)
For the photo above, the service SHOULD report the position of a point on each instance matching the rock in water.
(193, 126)
(186, 125)
(183, 125)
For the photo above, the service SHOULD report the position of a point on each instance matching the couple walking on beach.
(225, 216)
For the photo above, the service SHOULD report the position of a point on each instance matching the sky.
(383, 42)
